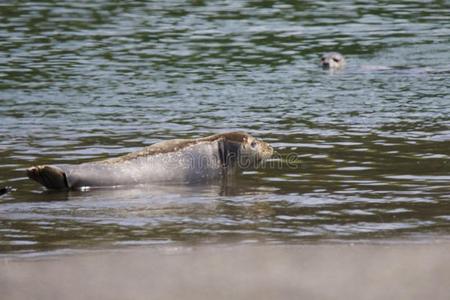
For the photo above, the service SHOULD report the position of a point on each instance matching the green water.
(82, 81)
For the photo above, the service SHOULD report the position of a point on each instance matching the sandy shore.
(407, 271)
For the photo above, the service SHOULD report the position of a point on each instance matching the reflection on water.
(86, 81)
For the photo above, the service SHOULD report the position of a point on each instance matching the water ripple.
(85, 81)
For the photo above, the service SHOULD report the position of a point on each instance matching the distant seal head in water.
(179, 160)
(332, 60)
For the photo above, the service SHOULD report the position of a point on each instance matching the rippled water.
(81, 81)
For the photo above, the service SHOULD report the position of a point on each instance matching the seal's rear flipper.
(49, 176)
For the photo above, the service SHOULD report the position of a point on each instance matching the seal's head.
(332, 60)
(243, 149)
(255, 150)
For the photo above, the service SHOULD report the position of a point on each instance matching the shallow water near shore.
(87, 81)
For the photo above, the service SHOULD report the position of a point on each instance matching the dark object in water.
(5, 190)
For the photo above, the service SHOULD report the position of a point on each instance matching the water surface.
(89, 80)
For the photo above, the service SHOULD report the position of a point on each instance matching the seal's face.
(255, 150)
(332, 60)
(244, 150)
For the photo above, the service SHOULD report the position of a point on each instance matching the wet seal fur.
(178, 160)
(332, 60)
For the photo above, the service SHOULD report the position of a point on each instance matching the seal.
(178, 160)
(332, 60)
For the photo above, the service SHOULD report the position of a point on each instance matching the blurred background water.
(86, 80)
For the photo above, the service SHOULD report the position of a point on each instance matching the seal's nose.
(269, 151)
(325, 64)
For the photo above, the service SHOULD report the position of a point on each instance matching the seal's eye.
(253, 144)
(336, 59)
